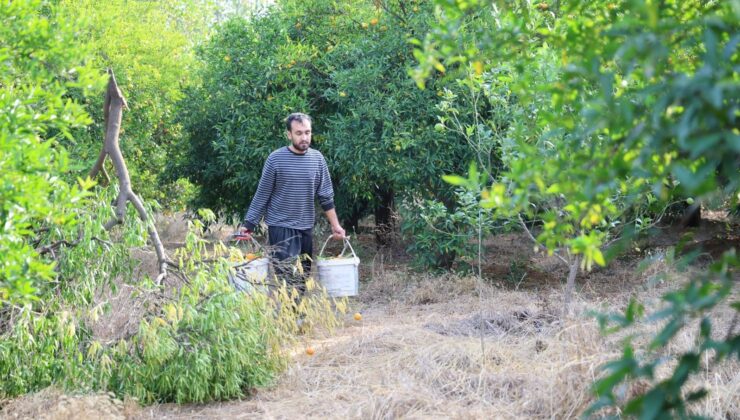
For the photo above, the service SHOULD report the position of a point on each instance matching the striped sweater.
(288, 189)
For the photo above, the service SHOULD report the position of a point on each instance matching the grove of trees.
(577, 122)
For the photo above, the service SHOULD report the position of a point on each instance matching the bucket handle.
(346, 244)
(251, 239)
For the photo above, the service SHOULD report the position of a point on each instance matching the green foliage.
(149, 46)
(41, 62)
(442, 232)
(440, 235)
(478, 111)
(39, 351)
(207, 343)
(605, 116)
(667, 398)
(43, 343)
(345, 64)
(621, 104)
(201, 342)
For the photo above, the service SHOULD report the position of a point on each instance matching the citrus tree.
(42, 64)
(346, 65)
(642, 96)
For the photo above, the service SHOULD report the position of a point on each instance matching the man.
(292, 178)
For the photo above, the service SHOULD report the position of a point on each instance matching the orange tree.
(642, 96)
(149, 46)
(346, 65)
(43, 63)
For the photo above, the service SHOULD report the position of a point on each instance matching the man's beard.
(302, 146)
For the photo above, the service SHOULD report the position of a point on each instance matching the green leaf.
(666, 333)
(652, 404)
(634, 311)
(455, 180)
(697, 395)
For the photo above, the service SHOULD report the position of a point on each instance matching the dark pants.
(288, 246)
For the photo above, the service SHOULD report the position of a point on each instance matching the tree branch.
(113, 112)
(98, 164)
(526, 229)
(51, 248)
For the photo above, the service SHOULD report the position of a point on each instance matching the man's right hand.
(243, 234)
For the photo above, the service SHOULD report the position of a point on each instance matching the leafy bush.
(44, 342)
(208, 342)
(439, 235)
(204, 347)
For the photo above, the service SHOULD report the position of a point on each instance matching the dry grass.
(419, 354)
(455, 347)
(53, 404)
(428, 361)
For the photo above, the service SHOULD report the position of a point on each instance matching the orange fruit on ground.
(310, 351)
(358, 316)
(373, 21)
(250, 256)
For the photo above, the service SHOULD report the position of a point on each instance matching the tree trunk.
(570, 285)
(351, 221)
(384, 223)
(113, 113)
(692, 215)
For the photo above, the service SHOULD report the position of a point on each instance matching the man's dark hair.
(296, 116)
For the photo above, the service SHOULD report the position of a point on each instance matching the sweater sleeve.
(261, 198)
(324, 189)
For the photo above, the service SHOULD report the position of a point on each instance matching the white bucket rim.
(338, 261)
(257, 262)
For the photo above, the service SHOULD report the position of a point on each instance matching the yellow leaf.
(599, 257)
(594, 218)
(478, 67)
